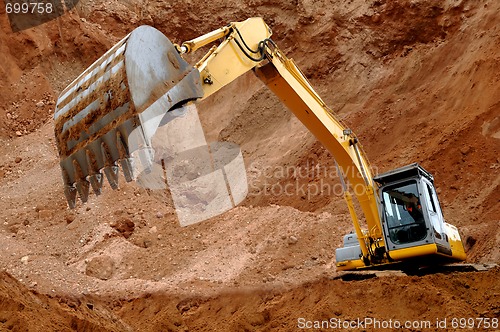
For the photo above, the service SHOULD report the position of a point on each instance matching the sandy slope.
(415, 80)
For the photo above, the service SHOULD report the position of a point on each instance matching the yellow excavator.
(145, 76)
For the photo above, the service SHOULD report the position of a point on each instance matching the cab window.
(403, 213)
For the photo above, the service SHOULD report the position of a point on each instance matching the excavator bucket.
(107, 116)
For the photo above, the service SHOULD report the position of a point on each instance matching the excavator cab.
(412, 220)
(414, 230)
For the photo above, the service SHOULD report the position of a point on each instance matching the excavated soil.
(418, 81)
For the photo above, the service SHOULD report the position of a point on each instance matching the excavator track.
(416, 271)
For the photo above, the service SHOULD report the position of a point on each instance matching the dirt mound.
(417, 81)
(25, 310)
(325, 302)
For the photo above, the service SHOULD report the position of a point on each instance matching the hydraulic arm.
(247, 46)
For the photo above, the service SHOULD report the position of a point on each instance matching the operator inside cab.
(404, 214)
(412, 205)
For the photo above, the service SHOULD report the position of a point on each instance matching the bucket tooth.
(96, 181)
(69, 190)
(95, 177)
(91, 162)
(110, 168)
(112, 175)
(70, 193)
(121, 146)
(83, 190)
(127, 168)
(82, 185)
(125, 161)
(146, 158)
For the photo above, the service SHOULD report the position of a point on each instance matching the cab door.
(435, 215)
